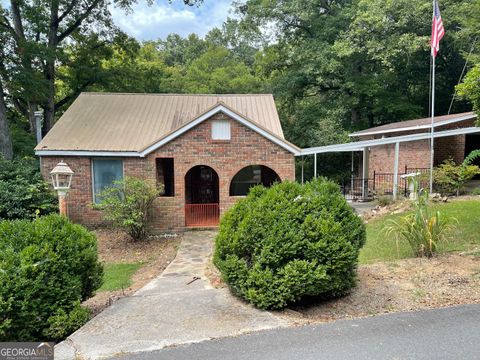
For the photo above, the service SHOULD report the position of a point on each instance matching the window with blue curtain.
(105, 173)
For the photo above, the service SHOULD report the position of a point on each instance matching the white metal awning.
(361, 145)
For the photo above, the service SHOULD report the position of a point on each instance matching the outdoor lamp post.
(61, 180)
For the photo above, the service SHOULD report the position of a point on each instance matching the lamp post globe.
(62, 180)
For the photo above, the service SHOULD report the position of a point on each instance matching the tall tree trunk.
(32, 107)
(6, 149)
(49, 107)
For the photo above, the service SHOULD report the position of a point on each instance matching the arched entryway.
(202, 197)
(250, 176)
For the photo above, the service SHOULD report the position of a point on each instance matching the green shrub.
(126, 205)
(289, 242)
(476, 191)
(423, 229)
(23, 192)
(47, 266)
(62, 324)
(450, 178)
(384, 200)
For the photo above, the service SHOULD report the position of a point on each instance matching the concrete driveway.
(168, 311)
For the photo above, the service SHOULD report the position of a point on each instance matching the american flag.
(437, 29)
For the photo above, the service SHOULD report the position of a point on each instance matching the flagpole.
(432, 138)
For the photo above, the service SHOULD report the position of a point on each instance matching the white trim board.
(413, 128)
(360, 145)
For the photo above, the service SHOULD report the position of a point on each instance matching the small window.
(165, 176)
(221, 130)
(250, 176)
(105, 172)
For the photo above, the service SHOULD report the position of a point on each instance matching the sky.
(161, 18)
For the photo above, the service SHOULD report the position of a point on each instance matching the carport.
(365, 146)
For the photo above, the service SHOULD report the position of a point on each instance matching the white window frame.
(221, 130)
(92, 173)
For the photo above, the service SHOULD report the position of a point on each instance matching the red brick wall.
(195, 147)
(416, 154)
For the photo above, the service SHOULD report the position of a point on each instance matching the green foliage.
(217, 71)
(470, 28)
(126, 205)
(384, 200)
(474, 155)
(23, 192)
(450, 178)
(476, 191)
(364, 59)
(289, 242)
(118, 276)
(23, 141)
(463, 237)
(423, 229)
(47, 266)
(62, 324)
(470, 88)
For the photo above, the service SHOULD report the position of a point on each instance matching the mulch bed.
(402, 285)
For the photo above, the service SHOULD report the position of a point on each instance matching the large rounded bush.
(289, 242)
(23, 192)
(47, 266)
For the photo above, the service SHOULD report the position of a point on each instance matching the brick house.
(390, 151)
(416, 154)
(205, 150)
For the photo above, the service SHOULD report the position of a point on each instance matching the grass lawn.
(465, 236)
(118, 276)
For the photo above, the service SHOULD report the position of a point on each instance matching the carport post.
(395, 171)
(365, 174)
(315, 166)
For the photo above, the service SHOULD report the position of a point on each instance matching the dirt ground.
(114, 246)
(403, 285)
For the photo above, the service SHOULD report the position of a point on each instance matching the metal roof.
(361, 145)
(130, 123)
(417, 124)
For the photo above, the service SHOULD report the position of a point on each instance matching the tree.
(6, 147)
(367, 59)
(181, 51)
(217, 71)
(39, 34)
(470, 33)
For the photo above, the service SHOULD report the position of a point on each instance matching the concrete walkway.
(168, 311)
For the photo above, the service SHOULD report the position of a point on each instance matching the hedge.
(23, 192)
(47, 266)
(290, 242)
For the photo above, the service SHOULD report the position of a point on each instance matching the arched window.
(250, 176)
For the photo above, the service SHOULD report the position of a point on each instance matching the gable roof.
(417, 124)
(133, 124)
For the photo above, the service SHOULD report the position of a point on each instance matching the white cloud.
(160, 19)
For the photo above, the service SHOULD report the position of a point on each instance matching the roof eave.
(219, 107)
(413, 128)
(89, 153)
(361, 145)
